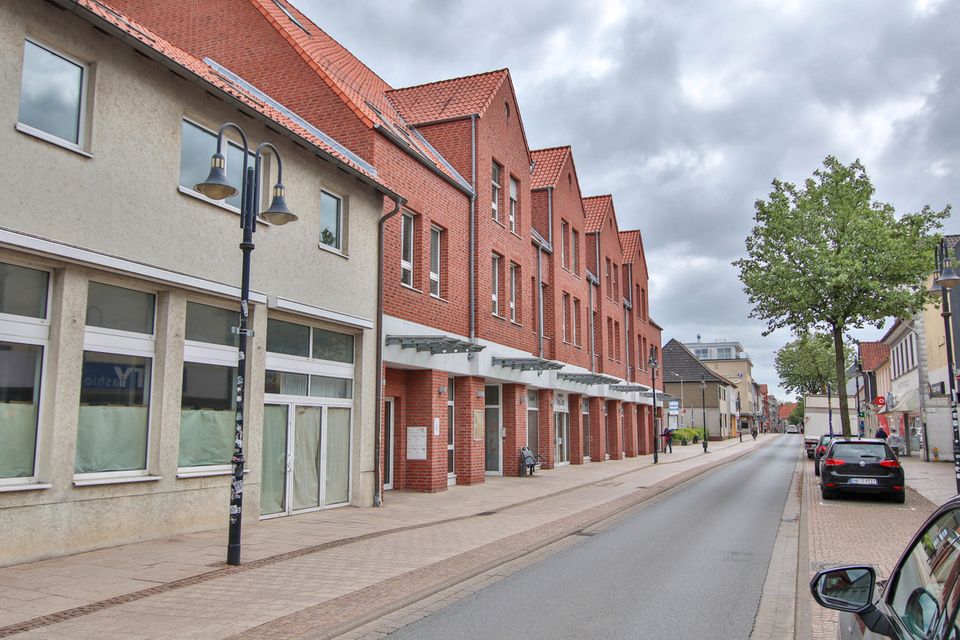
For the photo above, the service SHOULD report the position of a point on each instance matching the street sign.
(880, 401)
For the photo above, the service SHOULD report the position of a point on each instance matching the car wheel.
(899, 497)
(810, 455)
(827, 494)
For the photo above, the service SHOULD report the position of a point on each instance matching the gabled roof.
(186, 64)
(547, 164)
(360, 89)
(786, 408)
(630, 243)
(872, 355)
(595, 208)
(447, 99)
(679, 360)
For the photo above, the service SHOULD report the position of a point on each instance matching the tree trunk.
(841, 379)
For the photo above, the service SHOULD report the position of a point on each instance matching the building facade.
(704, 394)
(729, 360)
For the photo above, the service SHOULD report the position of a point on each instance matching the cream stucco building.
(729, 360)
(119, 286)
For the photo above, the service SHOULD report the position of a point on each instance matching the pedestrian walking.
(881, 433)
(667, 440)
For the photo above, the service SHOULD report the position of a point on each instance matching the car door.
(922, 595)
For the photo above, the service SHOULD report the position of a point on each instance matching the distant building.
(729, 360)
(682, 376)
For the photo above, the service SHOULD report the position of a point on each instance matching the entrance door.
(451, 446)
(492, 429)
(388, 443)
(561, 422)
(291, 459)
(585, 421)
(533, 421)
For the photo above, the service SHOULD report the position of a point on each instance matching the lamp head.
(278, 213)
(948, 277)
(216, 186)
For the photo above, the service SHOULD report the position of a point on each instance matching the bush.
(685, 435)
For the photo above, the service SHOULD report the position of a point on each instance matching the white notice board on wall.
(416, 443)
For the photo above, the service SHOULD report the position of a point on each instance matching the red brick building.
(515, 311)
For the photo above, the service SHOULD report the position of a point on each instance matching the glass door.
(533, 421)
(274, 469)
(492, 429)
(451, 446)
(585, 420)
(305, 453)
(388, 443)
(561, 421)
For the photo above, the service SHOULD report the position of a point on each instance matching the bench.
(529, 461)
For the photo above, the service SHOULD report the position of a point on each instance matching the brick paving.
(853, 529)
(320, 573)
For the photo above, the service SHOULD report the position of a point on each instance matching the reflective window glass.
(330, 219)
(197, 145)
(283, 382)
(211, 324)
(289, 338)
(207, 414)
(19, 401)
(327, 387)
(51, 93)
(113, 307)
(23, 291)
(332, 345)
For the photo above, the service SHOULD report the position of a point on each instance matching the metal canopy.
(435, 344)
(528, 364)
(628, 388)
(587, 378)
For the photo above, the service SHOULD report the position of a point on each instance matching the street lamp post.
(653, 372)
(217, 187)
(947, 278)
(703, 408)
(859, 370)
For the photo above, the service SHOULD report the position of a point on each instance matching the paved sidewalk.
(325, 569)
(933, 480)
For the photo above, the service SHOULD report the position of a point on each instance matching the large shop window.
(52, 93)
(208, 400)
(24, 332)
(112, 435)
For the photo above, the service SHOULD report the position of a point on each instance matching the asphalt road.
(690, 565)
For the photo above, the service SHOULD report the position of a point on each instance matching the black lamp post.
(653, 372)
(703, 408)
(217, 187)
(946, 279)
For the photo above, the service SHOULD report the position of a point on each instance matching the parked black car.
(862, 466)
(821, 448)
(920, 598)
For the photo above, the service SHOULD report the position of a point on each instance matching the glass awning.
(436, 345)
(528, 364)
(587, 378)
(628, 388)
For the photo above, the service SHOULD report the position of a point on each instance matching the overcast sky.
(685, 112)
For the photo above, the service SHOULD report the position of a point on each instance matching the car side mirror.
(845, 588)
(921, 611)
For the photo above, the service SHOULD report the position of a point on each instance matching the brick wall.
(548, 442)
(468, 451)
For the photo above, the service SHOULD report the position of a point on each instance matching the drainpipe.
(550, 215)
(473, 224)
(540, 297)
(378, 411)
(593, 352)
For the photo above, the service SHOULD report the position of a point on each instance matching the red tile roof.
(362, 90)
(786, 408)
(872, 355)
(595, 208)
(446, 99)
(547, 164)
(198, 68)
(630, 243)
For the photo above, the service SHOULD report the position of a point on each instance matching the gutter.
(550, 215)
(402, 145)
(378, 410)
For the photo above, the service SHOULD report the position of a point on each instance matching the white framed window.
(514, 279)
(575, 250)
(208, 396)
(24, 336)
(406, 249)
(564, 249)
(113, 433)
(331, 220)
(514, 191)
(495, 192)
(564, 315)
(314, 343)
(53, 97)
(495, 284)
(197, 145)
(435, 246)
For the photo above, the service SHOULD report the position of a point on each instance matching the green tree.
(825, 256)
(806, 365)
(796, 416)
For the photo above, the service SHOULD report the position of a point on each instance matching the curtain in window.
(273, 474)
(18, 439)
(306, 458)
(111, 438)
(338, 456)
(206, 437)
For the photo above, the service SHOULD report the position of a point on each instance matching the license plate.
(863, 481)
